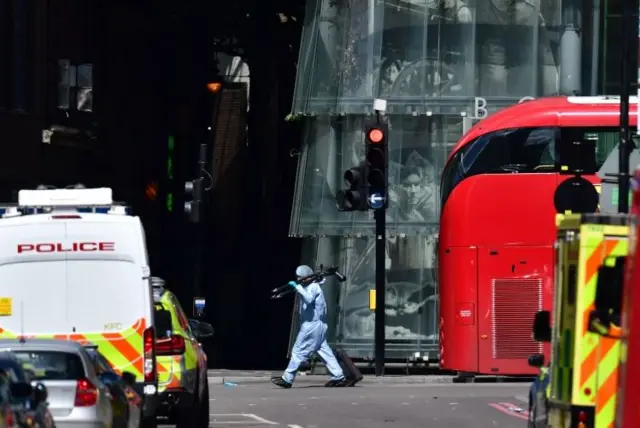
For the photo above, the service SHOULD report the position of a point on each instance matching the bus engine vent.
(515, 302)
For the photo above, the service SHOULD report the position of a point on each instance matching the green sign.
(615, 192)
(170, 147)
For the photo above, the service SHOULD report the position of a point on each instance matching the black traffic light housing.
(193, 199)
(354, 198)
(377, 158)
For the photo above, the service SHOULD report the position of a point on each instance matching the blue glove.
(293, 284)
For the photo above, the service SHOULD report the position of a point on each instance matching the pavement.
(249, 400)
(246, 377)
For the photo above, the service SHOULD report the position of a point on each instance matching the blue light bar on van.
(104, 210)
(97, 210)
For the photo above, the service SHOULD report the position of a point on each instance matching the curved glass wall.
(435, 55)
(441, 65)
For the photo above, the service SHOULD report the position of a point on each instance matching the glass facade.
(441, 65)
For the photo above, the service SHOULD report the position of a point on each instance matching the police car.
(182, 363)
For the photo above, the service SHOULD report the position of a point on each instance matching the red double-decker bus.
(497, 227)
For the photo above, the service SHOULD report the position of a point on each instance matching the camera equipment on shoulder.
(322, 273)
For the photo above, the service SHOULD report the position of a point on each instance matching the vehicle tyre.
(187, 418)
(203, 411)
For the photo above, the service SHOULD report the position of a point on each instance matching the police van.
(74, 265)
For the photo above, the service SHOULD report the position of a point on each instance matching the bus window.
(606, 140)
(530, 150)
(522, 150)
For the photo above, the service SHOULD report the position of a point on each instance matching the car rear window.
(162, 319)
(50, 365)
(10, 369)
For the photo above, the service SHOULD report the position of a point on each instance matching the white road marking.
(259, 419)
(243, 415)
(294, 426)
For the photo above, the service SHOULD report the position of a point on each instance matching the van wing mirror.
(201, 330)
(542, 326)
(605, 318)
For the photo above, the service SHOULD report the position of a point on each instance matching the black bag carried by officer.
(351, 372)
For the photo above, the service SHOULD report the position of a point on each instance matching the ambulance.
(617, 314)
(584, 363)
(74, 265)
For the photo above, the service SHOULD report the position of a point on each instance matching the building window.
(75, 86)
(5, 51)
(15, 51)
(19, 55)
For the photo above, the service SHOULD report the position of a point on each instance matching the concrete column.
(570, 49)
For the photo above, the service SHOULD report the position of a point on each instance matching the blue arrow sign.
(376, 201)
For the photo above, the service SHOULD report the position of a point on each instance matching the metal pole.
(381, 240)
(595, 48)
(198, 228)
(626, 145)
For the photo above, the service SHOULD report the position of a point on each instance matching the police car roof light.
(65, 197)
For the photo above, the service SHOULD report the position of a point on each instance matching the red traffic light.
(375, 135)
(151, 191)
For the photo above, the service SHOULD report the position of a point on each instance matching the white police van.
(74, 265)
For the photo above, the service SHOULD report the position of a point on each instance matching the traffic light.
(354, 198)
(377, 152)
(193, 190)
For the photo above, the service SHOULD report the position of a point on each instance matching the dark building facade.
(442, 65)
(113, 93)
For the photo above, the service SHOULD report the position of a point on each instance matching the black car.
(28, 403)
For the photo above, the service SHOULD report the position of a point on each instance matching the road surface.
(369, 405)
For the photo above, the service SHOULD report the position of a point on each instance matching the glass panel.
(85, 76)
(50, 365)
(419, 146)
(85, 99)
(435, 55)
(66, 84)
(411, 297)
(163, 319)
(522, 150)
(19, 57)
(11, 369)
(85, 87)
(339, 55)
(100, 364)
